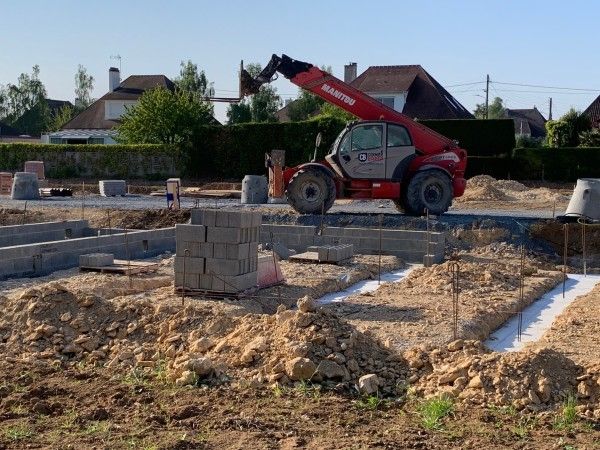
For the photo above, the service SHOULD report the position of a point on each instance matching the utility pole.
(487, 96)
(550, 109)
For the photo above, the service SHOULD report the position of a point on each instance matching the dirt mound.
(191, 343)
(480, 181)
(306, 344)
(509, 185)
(483, 193)
(145, 220)
(527, 379)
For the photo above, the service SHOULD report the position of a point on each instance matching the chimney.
(114, 78)
(350, 72)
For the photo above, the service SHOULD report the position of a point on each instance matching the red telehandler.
(386, 155)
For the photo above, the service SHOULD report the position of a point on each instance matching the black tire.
(431, 190)
(311, 191)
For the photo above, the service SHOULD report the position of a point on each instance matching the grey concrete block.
(111, 188)
(96, 259)
(219, 251)
(237, 251)
(192, 280)
(192, 247)
(206, 217)
(192, 265)
(190, 233)
(225, 266)
(231, 235)
(222, 219)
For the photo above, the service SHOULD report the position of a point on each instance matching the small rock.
(368, 384)
(306, 304)
(475, 382)
(456, 345)
(202, 345)
(332, 370)
(201, 366)
(300, 369)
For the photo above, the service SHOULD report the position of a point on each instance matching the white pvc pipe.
(538, 317)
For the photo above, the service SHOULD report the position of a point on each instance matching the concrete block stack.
(222, 250)
(333, 253)
(112, 188)
(6, 180)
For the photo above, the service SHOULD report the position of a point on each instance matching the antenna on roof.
(117, 57)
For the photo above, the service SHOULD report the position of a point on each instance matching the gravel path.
(151, 202)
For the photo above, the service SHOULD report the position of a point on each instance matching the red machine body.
(433, 151)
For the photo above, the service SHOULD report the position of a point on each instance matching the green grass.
(432, 411)
(18, 432)
(567, 416)
(370, 402)
(524, 426)
(308, 389)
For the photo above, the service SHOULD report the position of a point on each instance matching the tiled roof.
(132, 88)
(536, 122)
(593, 112)
(426, 99)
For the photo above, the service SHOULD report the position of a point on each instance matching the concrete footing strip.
(365, 286)
(538, 317)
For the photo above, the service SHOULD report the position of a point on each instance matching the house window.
(387, 101)
(95, 140)
(55, 140)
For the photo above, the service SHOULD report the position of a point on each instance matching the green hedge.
(236, 150)
(493, 137)
(495, 166)
(556, 164)
(66, 161)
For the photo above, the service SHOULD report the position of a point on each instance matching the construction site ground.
(93, 360)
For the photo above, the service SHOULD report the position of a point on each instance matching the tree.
(305, 106)
(164, 117)
(330, 110)
(265, 103)
(496, 110)
(23, 96)
(565, 131)
(84, 85)
(239, 113)
(590, 138)
(193, 81)
(61, 117)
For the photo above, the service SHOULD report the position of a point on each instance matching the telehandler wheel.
(431, 190)
(310, 191)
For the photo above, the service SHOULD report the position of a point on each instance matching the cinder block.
(240, 219)
(206, 217)
(228, 235)
(193, 247)
(238, 251)
(192, 265)
(96, 259)
(192, 280)
(222, 219)
(224, 267)
(256, 219)
(190, 233)
(205, 250)
(219, 251)
(205, 281)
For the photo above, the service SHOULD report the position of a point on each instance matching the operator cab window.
(397, 136)
(367, 137)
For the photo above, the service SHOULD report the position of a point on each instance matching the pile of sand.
(487, 188)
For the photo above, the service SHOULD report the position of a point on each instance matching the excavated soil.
(419, 308)
(487, 192)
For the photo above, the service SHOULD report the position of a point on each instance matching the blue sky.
(549, 43)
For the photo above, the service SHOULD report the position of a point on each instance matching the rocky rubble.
(532, 380)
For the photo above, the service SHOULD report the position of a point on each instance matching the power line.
(547, 87)
(544, 92)
(464, 84)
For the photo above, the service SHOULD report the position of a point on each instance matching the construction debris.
(113, 188)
